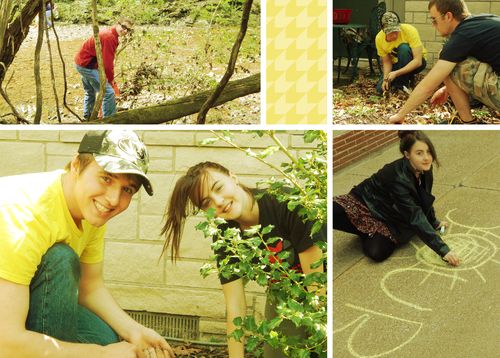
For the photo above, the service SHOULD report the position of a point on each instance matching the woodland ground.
(161, 63)
(359, 103)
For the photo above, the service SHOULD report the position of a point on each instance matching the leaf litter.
(359, 103)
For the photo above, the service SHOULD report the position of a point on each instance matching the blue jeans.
(48, 16)
(54, 308)
(405, 56)
(91, 86)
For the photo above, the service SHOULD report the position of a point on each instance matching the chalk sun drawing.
(476, 246)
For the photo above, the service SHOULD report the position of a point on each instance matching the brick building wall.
(416, 13)
(350, 146)
(138, 279)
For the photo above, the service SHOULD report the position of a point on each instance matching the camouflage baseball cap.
(390, 22)
(119, 152)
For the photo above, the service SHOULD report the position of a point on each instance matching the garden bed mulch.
(198, 351)
(359, 103)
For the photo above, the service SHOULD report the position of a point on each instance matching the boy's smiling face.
(99, 195)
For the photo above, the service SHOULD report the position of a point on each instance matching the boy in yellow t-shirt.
(53, 302)
(402, 53)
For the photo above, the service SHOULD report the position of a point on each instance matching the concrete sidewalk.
(414, 304)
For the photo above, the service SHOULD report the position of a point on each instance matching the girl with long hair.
(210, 185)
(396, 203)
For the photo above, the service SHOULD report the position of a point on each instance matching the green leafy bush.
(306, 175)
(157, 12)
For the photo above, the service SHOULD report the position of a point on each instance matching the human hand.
(452, 258)
(151, 344)
(119, 350)
(391, 76)
(439, 97)
(397, 118)
(386, 84)
(443, 225)
(153, 353)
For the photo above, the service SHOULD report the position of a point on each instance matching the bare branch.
(65, 102)
(232, 62)
(19, 117)
(262, 160)
(52, 76)
(38, 48)
(100, 64)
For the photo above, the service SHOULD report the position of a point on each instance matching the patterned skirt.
(360, 216)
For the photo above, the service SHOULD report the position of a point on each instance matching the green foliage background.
(156, 12)
(298, 298)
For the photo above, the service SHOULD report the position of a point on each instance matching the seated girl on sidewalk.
(396, 203)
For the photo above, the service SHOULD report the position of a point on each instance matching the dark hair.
(186, 200)
(408, 138)
(84, 160)
(458, 8)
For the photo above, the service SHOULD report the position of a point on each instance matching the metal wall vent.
(169, 325)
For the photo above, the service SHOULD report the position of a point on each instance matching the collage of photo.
(154, 203)
(248, 178)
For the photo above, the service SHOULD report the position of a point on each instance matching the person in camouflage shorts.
(478, 80)
(468, 65)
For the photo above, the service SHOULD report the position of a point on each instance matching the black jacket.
(392, 195)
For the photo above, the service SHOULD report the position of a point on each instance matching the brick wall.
(133, 271)
(351, 146)
(416, 13)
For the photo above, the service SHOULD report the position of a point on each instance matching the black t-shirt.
(287, 224)
(477, 36)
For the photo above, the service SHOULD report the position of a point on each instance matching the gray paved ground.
(413, 305)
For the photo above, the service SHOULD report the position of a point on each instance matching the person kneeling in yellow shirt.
(53, 301)
(401, 51)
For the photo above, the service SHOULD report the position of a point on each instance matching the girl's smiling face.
(222, 193)
(420, 156)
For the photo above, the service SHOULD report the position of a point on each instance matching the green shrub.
(157, 12)
(306, 175)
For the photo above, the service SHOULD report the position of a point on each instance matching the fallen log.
(184, 106)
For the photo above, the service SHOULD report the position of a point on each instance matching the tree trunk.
(5, 9)
(184, 106)
(100, 64)
(15, 34)
(230, 67)
(38, 78)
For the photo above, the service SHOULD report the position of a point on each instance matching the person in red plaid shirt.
(86, 65)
